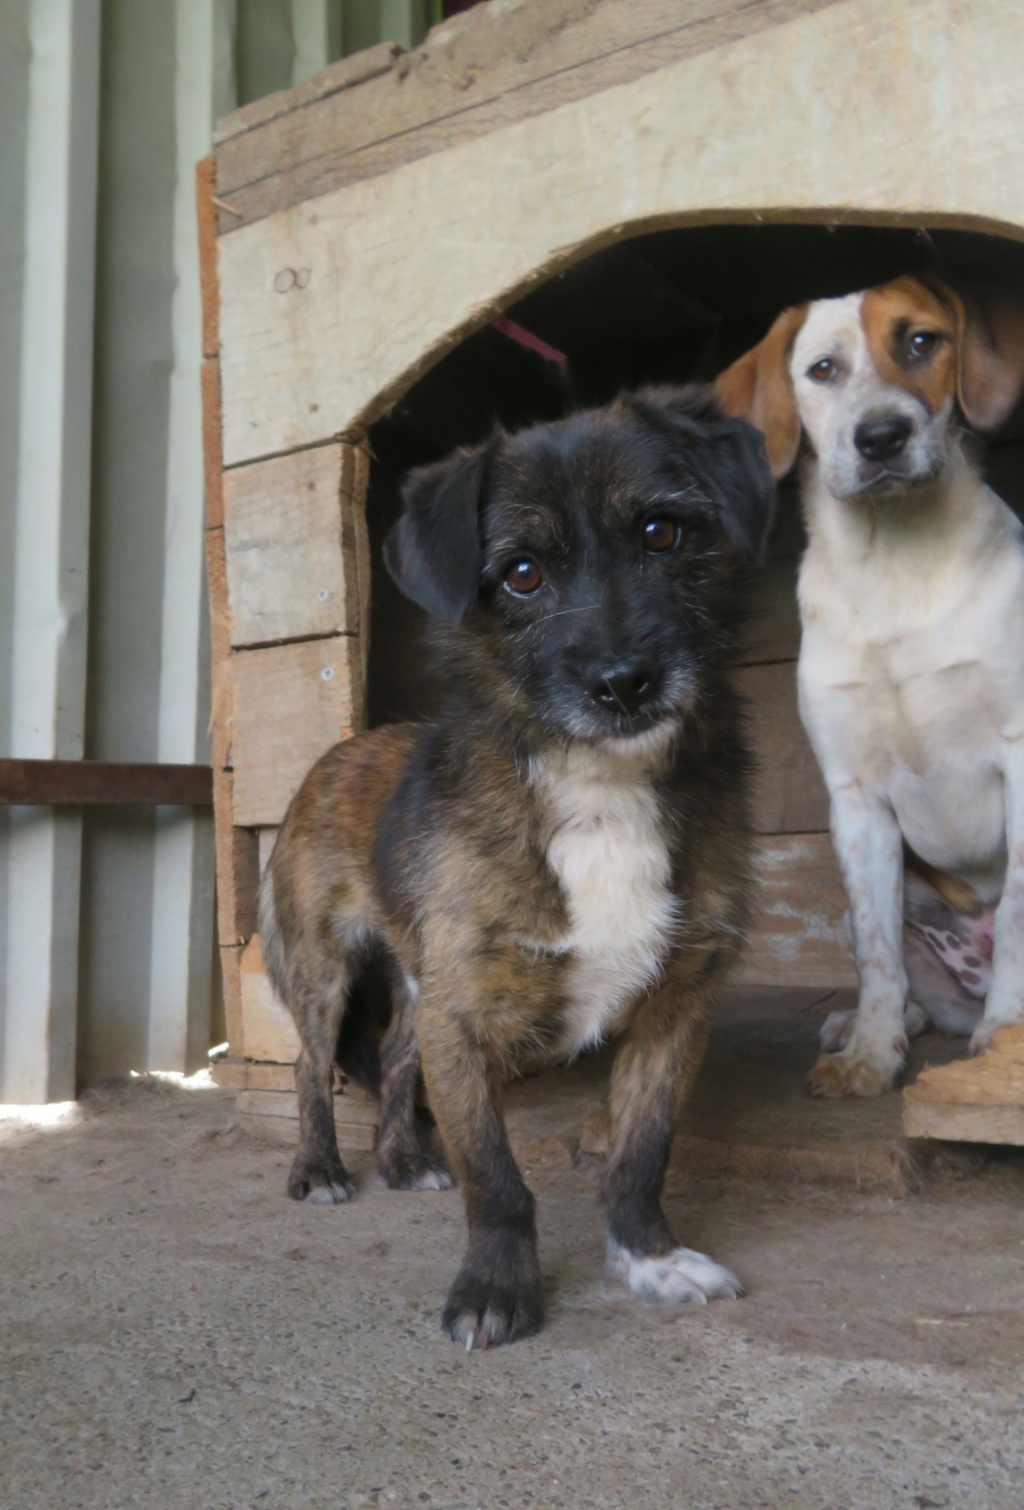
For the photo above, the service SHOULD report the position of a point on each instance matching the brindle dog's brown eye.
(923, 342)
(660, 535)
(523, 577)
(823, 371)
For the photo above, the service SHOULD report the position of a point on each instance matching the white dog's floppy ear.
(989, 352)
(434, 553)
(758, 388)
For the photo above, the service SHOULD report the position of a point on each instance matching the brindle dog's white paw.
(415, 1171)
(681, 1277)
(319, 1182)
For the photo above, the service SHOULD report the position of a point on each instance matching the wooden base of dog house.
(750, 1114)
(977, 1100)
(266, 1104)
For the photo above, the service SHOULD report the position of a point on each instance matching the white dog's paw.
(981, 1038)
(861, 1069)
(915, 1020)
(677, 1278)
(835, 1031)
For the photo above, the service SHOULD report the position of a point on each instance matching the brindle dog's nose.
(627, 686)
(882, 437)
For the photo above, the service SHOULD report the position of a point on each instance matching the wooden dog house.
(360, 232)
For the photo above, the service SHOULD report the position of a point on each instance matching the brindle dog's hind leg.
(317, 1172)
(400, 1158)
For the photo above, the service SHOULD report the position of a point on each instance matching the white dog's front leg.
(1005, 1000)
(869, 848)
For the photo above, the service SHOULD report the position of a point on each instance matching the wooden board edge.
(231, 975)
(206, 225)
(955, 1122)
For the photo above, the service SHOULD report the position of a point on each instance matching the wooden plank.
(355, 485)
(344, 74)
(206, 224)
(290, 543)
(306, 358)
(230, 969)
(797, 938)
(112, 783)
(220, 649)
(212, 429)
(789, 794)
(964, 1124)
(268, 1028)
(290, 703)
(242, 1075)
(267, 840)
(976, 1100)
(469, 79)
(238, 867)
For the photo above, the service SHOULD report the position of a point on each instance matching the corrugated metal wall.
(106, 922)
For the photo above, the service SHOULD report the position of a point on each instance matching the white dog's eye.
(823, 371)
(923, 342)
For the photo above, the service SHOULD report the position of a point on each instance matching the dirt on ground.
(175, 1333)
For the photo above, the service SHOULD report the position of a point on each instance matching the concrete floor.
(174, 1332)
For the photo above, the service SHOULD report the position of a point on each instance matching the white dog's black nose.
(628, 686)
(883, 436)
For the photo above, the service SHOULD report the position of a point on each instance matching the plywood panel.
(332, 308)
(290, 539)
(797, 938)
(476, 75)
(290, 703)
(789, 793)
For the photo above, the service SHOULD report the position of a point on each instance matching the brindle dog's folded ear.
(726, 457)
(434, 551)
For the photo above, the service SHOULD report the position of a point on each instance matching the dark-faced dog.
(565, 854)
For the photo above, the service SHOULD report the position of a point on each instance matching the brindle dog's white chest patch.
(609, 853)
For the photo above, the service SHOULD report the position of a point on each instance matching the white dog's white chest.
(912, 680)
(609, 853)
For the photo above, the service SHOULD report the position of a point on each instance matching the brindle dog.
(564, 855)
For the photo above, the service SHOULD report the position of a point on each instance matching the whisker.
(560, 612)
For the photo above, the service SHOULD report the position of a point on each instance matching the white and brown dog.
(911, 669)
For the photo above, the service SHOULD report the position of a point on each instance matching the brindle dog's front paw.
(323, 1182)
(415, 1171)
(497, 1296)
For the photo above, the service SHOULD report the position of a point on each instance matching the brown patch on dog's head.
(939, 344)
(758, 388)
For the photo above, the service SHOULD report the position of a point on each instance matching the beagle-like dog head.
(873, 380)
